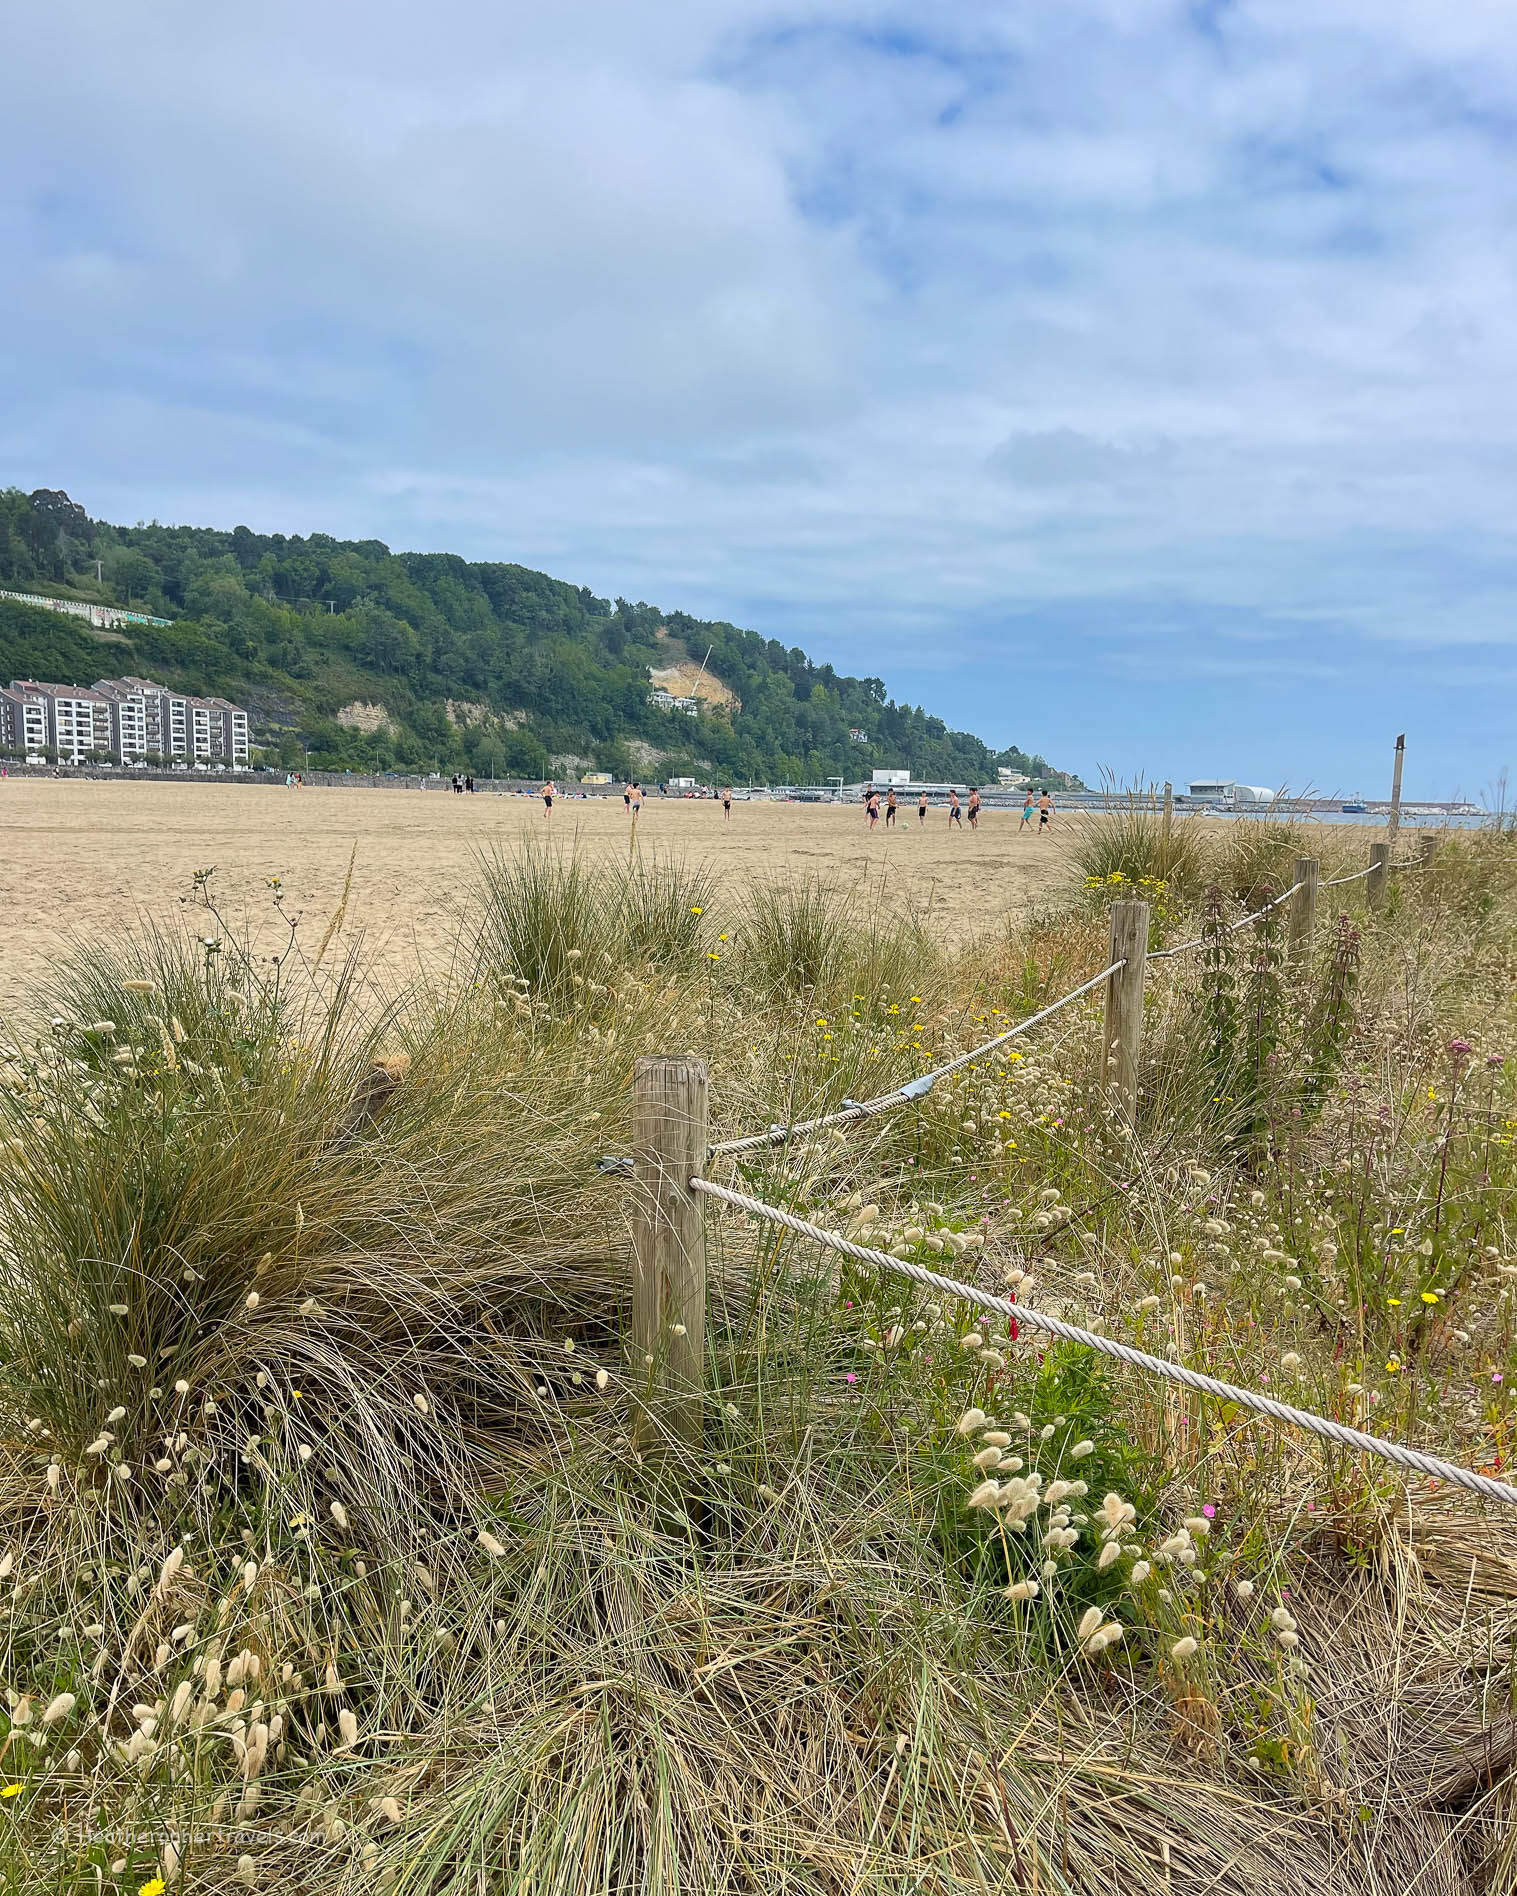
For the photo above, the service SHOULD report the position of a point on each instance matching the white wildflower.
(339, 1514)
(1089, 1623)
(1183, 1648)
(421, 1404)
(971, 1420)
(1023, 1590)
(1140, 1572)
(491, 1545)
(1244, 1590)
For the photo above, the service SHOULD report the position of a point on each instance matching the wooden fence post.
(669, 1132)
(1380, 863)
(1303, 915)
(1394, 822)
(1124, 1001)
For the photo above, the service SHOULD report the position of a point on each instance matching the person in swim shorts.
(974, 809)
(1045, 810)
(890, 810)
(955, 814)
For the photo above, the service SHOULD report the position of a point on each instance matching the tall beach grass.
(330, 1559)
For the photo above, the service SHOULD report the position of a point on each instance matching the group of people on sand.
(1040, 806)
(632, 800)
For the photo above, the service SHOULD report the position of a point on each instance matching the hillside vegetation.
(436, 662)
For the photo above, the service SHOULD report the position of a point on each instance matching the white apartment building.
(127, 719)
(198, 731)
(24, 721)
(70, 720)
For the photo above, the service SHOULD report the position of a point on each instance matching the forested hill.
(352, 656)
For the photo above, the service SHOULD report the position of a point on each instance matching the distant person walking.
(1045, 811)
(890, 810)
(727, 804)
(974, 809)
(1028, 806)
(872, 807)
(921, 809)
(955, 814)
(549, 793)
(627, 798)
(636, 801)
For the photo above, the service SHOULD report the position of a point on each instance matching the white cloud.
(881, 328)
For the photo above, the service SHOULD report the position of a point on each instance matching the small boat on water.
(1353, 809)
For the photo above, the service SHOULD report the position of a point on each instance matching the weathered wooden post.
(1375, 881)
(1394, 822)
(1124, 1001)
(1303, 915)
(669, 1132)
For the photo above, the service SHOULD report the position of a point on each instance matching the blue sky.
(1131, 381)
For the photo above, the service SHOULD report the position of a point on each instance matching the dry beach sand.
(87, 860)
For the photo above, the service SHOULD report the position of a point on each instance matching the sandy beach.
(87, 860)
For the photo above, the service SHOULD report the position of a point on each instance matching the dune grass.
(332, 1565)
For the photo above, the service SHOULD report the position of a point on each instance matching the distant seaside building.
(1225, 790)
(897, 777)
(125, 719)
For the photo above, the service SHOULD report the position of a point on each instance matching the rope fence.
(918, 1088)
(670, 1253)
(1184, 947)
(1413, 1458)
